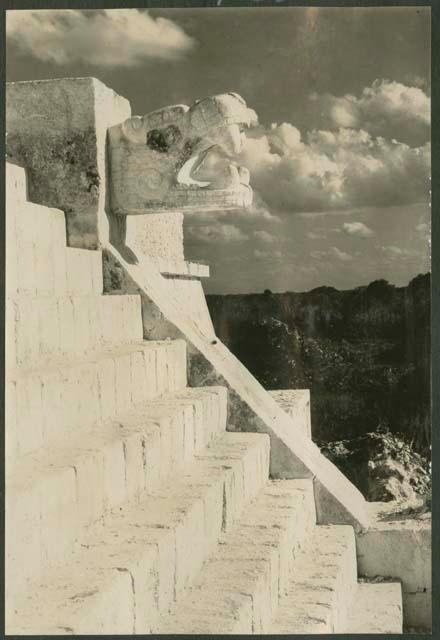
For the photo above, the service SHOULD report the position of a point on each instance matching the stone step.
(239, 588)
(46, 404)
(53, 493)
(42, 265)
(39, 328)
(377, 608)
(16, 183)
(39, 263)
(128, 571)
(322, 584)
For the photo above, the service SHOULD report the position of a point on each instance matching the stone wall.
(158, 235)
(57, 129)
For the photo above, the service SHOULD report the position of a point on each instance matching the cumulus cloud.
(216, 233)
(340, 255)
(389, 109)
(357, 229)
(334, 170)
(264, 236)
(264, 255)
(110, 38)
(394, 252)
(330, 254)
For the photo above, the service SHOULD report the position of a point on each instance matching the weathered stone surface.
(177, 158)
(251, 408)
(160, 543)
(322, 584)
(48, 404)
(187, 293)
(377, 608)
(60, 489)
(400, 547)
(159, 235)
(192, 269)
(47, 327)
(296, 403)
(57, 129)
(252, 560)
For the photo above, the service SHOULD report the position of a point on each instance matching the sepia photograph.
(218, 400)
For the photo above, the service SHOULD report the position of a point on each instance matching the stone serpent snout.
(181, 158)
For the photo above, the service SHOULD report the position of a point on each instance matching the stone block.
(138, 376)
(132, 317)
(66, 320)
(26, 270)
(247, 456)
(377, 609)
(16, 185)
(35, 241)
(123, 383)
(84, 272)
(29, 415)
(168, 267)
(400, 548)
(59, 416)
(48, 326)
(11, 257)
(82, 329)
(11, 435)
(44, 253)
(22, 541)
(296, 403)
(159, 235)
(322, 584)
(11, 317)
(66, 169)
(25, 329)
(60, 268)
(106, 373)
(59, 526)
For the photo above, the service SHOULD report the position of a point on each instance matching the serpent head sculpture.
(181, 158)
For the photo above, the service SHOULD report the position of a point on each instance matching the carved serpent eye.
(162, 140)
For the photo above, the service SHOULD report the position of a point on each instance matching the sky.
(340, 159)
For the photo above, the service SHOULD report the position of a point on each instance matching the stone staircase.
(129, 507)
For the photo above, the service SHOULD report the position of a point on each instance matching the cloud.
(264, 255)
(334, 170)
(216, 233)
(108, 38)
(358, 229)
(340, 255)
(422, 227)
(316, 235)
(386, 108)
(264, 236)
(318, 255)
(394, 252)
(333, 252)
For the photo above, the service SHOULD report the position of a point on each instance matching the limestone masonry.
(152, 484)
